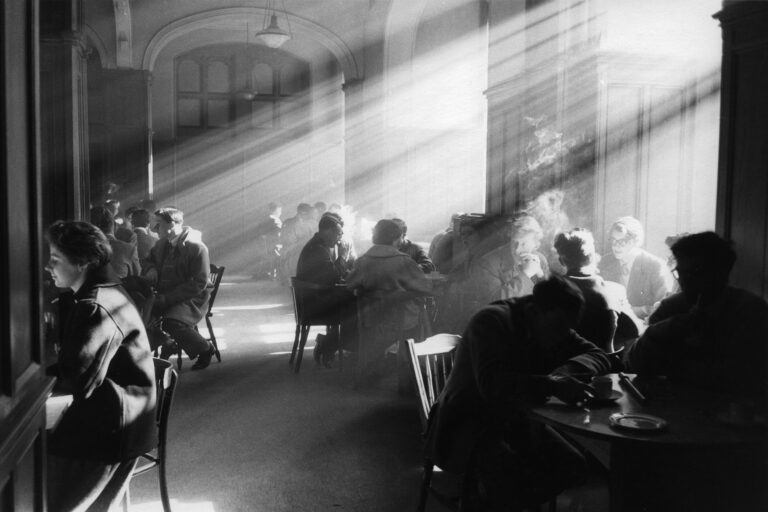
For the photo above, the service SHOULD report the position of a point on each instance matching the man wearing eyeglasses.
(644, 275)
(711, 334)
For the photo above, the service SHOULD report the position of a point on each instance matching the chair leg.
(426, 481)
(127, 499)
(296, 337)
(163, 485)
(213, 339)
(302, 342)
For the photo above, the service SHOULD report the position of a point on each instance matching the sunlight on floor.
(157, 506)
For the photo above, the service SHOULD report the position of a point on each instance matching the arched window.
(262, 78)
(203, 93)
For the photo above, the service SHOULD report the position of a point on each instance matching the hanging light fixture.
(271, 34)
(247, 93)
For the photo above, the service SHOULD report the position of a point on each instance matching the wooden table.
(697, 432)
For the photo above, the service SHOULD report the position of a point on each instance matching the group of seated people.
(529, 331)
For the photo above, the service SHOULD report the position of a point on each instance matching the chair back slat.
(431, 362)
(214, 280)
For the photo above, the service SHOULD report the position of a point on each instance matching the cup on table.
(603, 386)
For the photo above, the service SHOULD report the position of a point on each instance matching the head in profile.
(576, 251)
(403, 229)
(274, 209)
(168, 222)
(305, 211)
(331, 229)
(626, 236)
(386, 232)
(555, 309)
(77, 249)
(703, 263)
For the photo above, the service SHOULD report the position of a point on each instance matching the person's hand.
(530, 265)
(570, 390)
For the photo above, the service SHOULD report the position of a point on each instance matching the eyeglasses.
(676, 273)
(621, 242)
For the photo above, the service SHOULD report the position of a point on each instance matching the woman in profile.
(104, 361)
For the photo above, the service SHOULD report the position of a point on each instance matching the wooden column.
(64, 111)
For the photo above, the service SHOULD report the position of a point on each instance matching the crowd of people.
(533, 312)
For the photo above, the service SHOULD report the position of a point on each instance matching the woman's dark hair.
(81, 242)
(576, 248)
(385, 232)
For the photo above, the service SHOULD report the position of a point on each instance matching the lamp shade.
(273, 36)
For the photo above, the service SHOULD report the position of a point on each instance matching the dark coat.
(417, 254)
(105, 362)
(125, 257)
(721, 346)
(319, 263)
(598, 320)
(182, 284)
(648, 281)
(498, 368)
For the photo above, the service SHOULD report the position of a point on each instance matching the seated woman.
(105, 363)
(604, 301)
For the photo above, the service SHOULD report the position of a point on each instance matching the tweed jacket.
(105, 362)
(648, 281)
(384, 268)
(498, 368)
(182, 277)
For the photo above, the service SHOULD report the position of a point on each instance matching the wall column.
(64, 111)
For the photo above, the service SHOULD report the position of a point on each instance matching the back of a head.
(170, 214)
(330, 221)
(272, 208)
(386, 232)
(556, 292)
(304, 209)
(401, 224)
(102, 218)
(83, 243)
(630, 227)
(320, 207)
(140, 218)
(706, 250)
(576, 248)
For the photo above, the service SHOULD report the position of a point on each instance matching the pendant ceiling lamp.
(272, 34)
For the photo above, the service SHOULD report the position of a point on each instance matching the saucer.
(633, 421)
(605, 400)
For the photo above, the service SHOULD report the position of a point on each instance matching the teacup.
(603, 386)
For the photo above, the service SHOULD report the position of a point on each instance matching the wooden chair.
(165, 379)
(431, 362)
(315, 304)
(214, 279)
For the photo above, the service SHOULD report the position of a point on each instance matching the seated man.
(513, 352)
(415, 251)
(710, 334)
(383, 268)
(324, 261)
(644, 275)
(178, 267)
(125, 258)
(604, 301)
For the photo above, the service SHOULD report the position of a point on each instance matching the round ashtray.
(634, 421)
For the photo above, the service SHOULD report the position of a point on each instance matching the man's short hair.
(385, 232)
(576, 248)
(102, 218)
(557, 292)
(401, 224)
(170, 214)
(630, 227)
(140, 218)
(329, 221)
(706, 250)
(81, 242)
